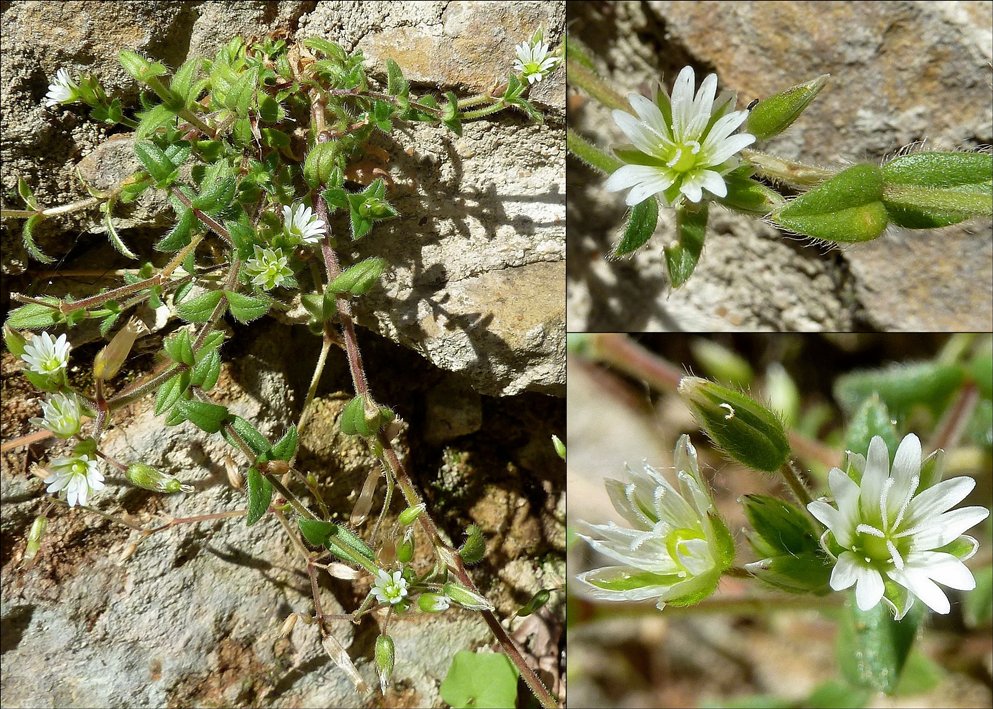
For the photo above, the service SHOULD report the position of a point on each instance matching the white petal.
(651, 557)
(906, 467)
(650, 114)
(694, 555)
(630, 175)
(647, 189)
(938, 499)
(58, 482)
(877, 466)
(641, 135)
(609, 573)
(845, 572)
(869, 589)
(945, 528)
(924, 588)
(713, 183)
(682, 102)
(702, 106)
(728, 147)
(943, 568)
(691, 187)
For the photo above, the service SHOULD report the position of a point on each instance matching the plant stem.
(589, 153)
(585, 79)
(789, 172)
(214, 225)
(792, 476)
(955, 420)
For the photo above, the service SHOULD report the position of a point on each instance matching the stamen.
(887, 484)
(871, 531)
(894, 555)
(914, 482)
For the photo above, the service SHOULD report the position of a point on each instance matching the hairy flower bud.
(385, 658)
(148, 478)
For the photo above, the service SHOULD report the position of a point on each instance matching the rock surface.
(900, 72)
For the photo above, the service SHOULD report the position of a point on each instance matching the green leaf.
(151, 120)
(846, 208)
(682, 255)
(360, 278)
(216, 189)
(200, 308)
(775, 114)
(246, 308)
(179, 236)
(169, 392)
(483, 679)
(205, 373)
(834, 694)
(239, 96)
(978, 606)
(34, 316)
(720, 363)
(24, 190)
(315, 531)
(157, 163)
(873, 647)
(249, 434)
(396, 84)
(184, 82)
(901, 387)
(140, 68)
(27, 237)
(640, 227)
(269, 109)
(259, 495)
(873, 418)
(179, 347)
(205, 416)
(338, 539)
(112, 235)
(931, 190)
(326, 47)
(286, 447)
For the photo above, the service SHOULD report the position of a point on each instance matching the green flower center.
(675, 545)
(685, 156)
(877, 549)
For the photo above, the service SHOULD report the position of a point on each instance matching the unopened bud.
(433, 602)
(385, 658)
(773, 115)
(537, 601)
(559, 447)
(35, 535)
(148, 478)
(109, 360)
(405, 550)
(466, 598)
(410, 515)
(736, 423)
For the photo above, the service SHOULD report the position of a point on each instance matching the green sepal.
(367, 207)
(807, 572)
(682, 255)
(14, 340)
(846, 208)
(35, 316)
(205, 416)
(775, 114)
(248, 434)
(932, 190)
(358, 279)
(737, 424)
(170, 391)
(260, 492)
(320, 163)
(780, 527)
(363, 417)
(200, 308)
(747, 195)
(205, 372)
(245, 308)
(473, 549)
(642, 221)
(179, 347)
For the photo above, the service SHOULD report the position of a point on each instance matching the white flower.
(268, 268)
(533, 62)
(682, 145)
(300, 223)
(61, 90)
(61, 414)
(389, 589)
(677, 546)
(886, 527)
(45, 355)
(78, 476)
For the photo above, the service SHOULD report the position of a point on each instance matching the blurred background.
(723, 652)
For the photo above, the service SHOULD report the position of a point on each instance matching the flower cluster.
(677, 546)
(887, 527)
(682, 145)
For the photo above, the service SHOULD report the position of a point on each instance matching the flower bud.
(433, 602)
(473, 549)
(148, 478)
(405, 549)
(409, 515)
(109, 360)
(385, 658)
(739, 425)
(466, 598)
(559, 446)
(537, 601)
(320, 164)
(775, 114)
(35, 535)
